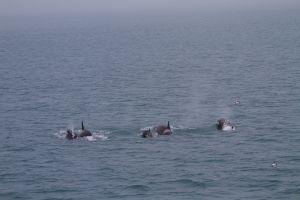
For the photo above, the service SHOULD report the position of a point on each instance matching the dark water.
(120, 75)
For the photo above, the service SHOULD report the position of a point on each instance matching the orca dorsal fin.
(82, 127)
(168, 125)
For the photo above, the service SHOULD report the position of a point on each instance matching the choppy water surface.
(122, 75)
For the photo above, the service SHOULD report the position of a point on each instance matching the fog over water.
(47, 7)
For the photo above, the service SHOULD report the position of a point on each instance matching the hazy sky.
(37, 7)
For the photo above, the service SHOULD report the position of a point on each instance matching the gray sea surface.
(123, 74)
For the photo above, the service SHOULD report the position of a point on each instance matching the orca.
(147, 133)
(163, 129)
(71, 134)
(224, 125)
(84, 132)
(274, 164)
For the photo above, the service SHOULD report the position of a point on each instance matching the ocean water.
(122, 74)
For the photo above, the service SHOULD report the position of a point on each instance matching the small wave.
(188, 182)
(293, 190)
(139, 188)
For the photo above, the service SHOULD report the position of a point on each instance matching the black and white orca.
(163, 129)
(84, 132)
(157, 130)
(224, 125)
(147, 133)
(73, 135)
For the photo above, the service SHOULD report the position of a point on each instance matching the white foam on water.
(236, 102)
(60, 134)
(228, 128)
(91, 138)
(101, 134)
(154, 134)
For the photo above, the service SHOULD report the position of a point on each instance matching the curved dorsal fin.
(169, 125)
(82, 127)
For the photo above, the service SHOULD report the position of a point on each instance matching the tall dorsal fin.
(169, 125)
(82, 127)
